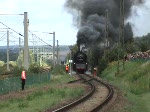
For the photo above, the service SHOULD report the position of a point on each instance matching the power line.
(2, 37)
(12, 29)
(40, 39)
(11, 14)
(15, 37)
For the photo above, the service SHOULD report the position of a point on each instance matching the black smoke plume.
(89, 17)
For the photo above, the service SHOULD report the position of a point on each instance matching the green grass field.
(134, 82)
(40, 100)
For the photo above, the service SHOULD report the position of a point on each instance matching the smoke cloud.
(140, 18)
(89, 17)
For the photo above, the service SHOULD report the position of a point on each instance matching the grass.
(41, 100)
(138, 103)
(134, 81)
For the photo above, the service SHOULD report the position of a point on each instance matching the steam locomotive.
(80, 62)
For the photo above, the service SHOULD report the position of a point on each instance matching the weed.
(134, 80)
(4, 105)
(23, 104)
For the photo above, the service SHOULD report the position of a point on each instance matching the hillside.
(134, 82)
(14, 51)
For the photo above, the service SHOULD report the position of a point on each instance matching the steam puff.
(91, 18)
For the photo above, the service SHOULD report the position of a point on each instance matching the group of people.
(138, 55)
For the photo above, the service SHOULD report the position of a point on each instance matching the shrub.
(59, 70)
(17, 71)
(2, 63)
(34, 68)
(12, 63)
(3, 70)
(102, 65)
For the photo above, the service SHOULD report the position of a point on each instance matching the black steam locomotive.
(80, 62)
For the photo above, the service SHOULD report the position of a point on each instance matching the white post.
(53, 48)
(7, 50)
(19, 60)
(43, 54)
(19, 45)
(40, 55)
(57, 53)
(70, 47)
(26, 47)
(70, 63)
(37, 54)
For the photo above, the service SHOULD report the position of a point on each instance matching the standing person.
(23, 78)
(67, 68)
(95, 71)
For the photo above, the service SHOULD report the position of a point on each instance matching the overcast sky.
(140, 19)
(50, 15)
(44, 16)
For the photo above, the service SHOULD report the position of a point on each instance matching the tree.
(128, 34)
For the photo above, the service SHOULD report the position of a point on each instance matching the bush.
(17, 71)
(2, 63)
(58, 70)
(3, 70)
(102, 65)
(34, 68)
(12, 63)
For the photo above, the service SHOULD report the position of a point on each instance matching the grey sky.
(140, 19)
(44, 16)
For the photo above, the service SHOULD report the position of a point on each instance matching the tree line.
(100, 56)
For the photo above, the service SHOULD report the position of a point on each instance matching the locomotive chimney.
(78, 47)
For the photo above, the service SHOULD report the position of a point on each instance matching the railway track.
(100, 94)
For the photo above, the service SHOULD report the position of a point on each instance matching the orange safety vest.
(67, 68)
(23, 75)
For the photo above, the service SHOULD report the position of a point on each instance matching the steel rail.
(70, 105)
(109, 96)
(97, 108)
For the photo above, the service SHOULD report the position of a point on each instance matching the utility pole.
(8, 50)
(106, 33)
(70, 47)
(57, 53)
(123, 44)
(41, 55)
(70, 63)
(121, 34)
(53, 48)
(19, 45)
(37, 54)
(33, 48)
(19, 63)
(26, 47)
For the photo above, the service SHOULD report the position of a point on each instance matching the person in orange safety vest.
(23, 78)
(67, 68)
(95, 72)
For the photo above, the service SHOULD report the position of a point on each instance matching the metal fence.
(14, 84)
